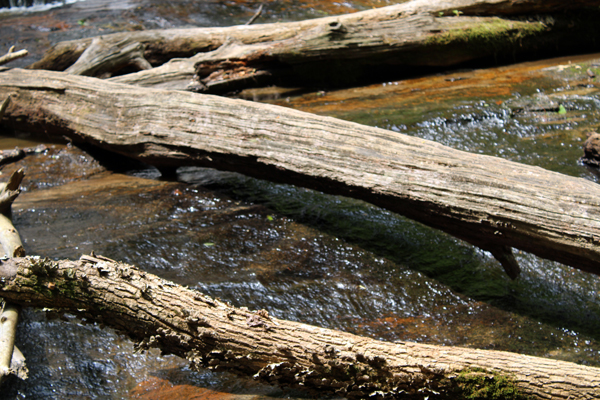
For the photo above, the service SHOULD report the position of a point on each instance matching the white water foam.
(19, 6)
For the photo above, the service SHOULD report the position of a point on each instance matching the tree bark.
(213, 334)
(489, 202)
(338, 50)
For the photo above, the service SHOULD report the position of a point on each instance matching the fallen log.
(338, 50)
(489, 202)
(213, 334)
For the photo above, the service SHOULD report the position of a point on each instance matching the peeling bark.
(334, 50)
(213, 334)
(489, 202)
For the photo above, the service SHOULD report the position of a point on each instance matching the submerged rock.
(591, 150)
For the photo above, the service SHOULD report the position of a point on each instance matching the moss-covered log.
(370, 45)
(213, 334)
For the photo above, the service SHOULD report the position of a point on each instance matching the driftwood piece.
(340, 49)
(9, 237)
(11, 359)
(8, 326)
(211, 333)
(489, 202)
(12, 55)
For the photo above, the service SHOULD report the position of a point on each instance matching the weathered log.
(489, 202)
(340, 49)
(214, 334)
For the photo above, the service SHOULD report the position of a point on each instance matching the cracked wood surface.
(214, 334)
(489, 202)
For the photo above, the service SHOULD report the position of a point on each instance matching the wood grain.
(492, 203)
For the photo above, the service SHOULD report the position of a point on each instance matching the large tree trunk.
(489, 202)
(210, 333)
(373, 44)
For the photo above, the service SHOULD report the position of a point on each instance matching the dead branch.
(12, 55)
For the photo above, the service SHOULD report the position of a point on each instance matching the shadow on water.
(546, 291)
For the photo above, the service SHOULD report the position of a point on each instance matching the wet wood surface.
(489, 202)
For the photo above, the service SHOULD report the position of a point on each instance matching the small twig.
(95, 259)
(256, 15)
(12, 55)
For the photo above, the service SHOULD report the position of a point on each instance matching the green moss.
(494, 31)
(68, 289)
(30, 281)
(478, 384)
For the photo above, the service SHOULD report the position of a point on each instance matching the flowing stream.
(302, 255)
